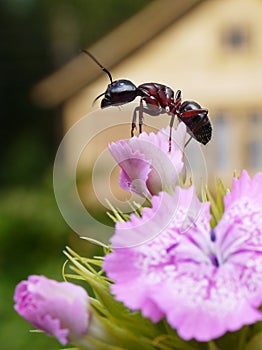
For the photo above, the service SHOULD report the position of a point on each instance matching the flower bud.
(146, 165)
(60, 309)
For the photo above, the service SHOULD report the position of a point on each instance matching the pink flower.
(205, 281)
(146, 165)
(138, 269)
(59, 309)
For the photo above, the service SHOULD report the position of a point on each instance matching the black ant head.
(119, 92)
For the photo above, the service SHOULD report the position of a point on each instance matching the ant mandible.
(158, 99)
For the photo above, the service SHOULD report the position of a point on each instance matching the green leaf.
(216, 201)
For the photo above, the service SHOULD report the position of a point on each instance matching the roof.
(111, 49)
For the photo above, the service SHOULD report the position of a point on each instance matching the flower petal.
(240, 228)
(174, 212)
(245, 187)
(205, 302)
(143, 249)
(146, 165)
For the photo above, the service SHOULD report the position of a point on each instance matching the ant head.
(119, 92)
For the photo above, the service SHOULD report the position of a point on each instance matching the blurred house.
(211, 50)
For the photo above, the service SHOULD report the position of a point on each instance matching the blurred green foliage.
(33, 235)
(37, 36)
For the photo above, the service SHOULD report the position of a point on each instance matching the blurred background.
(37, 37)
(210, 51)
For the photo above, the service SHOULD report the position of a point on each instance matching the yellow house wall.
(189, 56)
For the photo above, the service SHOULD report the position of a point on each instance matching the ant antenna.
(99, 64)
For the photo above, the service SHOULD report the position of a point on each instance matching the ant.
(158, 99)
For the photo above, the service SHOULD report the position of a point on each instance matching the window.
(236, 37)
(222, 143)
(254, 149)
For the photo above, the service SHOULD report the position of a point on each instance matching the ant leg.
(140, 116)
(170, 132)
(190, 138)
(177, 99)
(177, 104)
(133, 127)
(140, 109)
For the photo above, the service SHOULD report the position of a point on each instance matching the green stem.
(242, 340)
(212, 346)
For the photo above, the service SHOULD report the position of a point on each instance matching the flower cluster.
(204, 281)
(171, 277)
